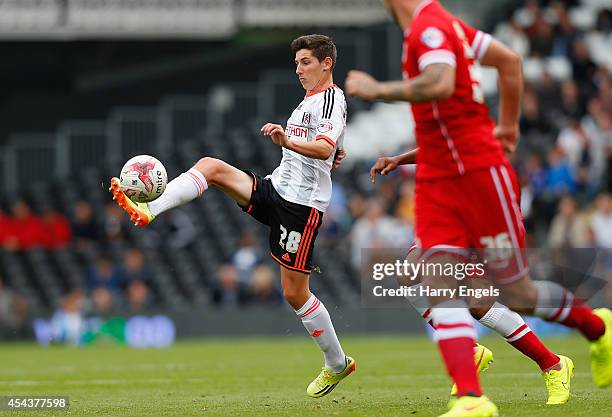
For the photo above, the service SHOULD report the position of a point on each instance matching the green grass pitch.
(268, 377)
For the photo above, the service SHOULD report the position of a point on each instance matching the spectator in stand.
(513, 36)
(601, 222)
(569, 228)
(57, 232)
(104, 283)
(549, 97)
(85, 230)
(262, 288)
(13, 312)
(535, 174)
(28, 227)
(137, 280)
(559, 177)
(583, 67)
(246, 258)
(536, 128)
(113, 222)
(404, 208)
(571, 100)
(540, 32)
(67, 321)
(604, 21)
(565, 32)
(604, 79)
(374, 230)
(228, 292)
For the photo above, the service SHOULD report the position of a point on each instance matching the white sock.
(420, 304)
(509, 324)
(554, 302)
(184, 188)
(317, 322)
(452, 320)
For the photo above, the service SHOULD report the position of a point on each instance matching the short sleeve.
(431, 45)
(332, 117)
(478, 40)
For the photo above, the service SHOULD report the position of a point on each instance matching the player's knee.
(211, 168)
(479, 312)
(520, 299)
(292, 295)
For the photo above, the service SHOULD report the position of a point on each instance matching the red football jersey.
(454, 136)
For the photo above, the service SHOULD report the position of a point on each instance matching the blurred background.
(86, 84)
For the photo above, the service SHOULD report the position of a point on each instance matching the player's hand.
(508, 136)
(363, 85)
(382, 166)
(340, 155)
(276, 133)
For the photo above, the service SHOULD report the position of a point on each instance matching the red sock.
(530, 345)
(427, 317)
(581, 317)
(458, 355)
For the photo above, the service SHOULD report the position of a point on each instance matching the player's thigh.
(439, 223)
(229, 179)
(495, 222)
(481, 304)
(293, 232)
(437, 276)
(520, 295)
(412, 258)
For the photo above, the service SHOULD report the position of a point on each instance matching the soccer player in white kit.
(291, 201)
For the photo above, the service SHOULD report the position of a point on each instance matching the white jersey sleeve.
(303, 180)
(331, 117)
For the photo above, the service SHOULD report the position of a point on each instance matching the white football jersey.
(303, 180)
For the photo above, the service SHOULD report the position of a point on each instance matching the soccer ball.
(143, 178)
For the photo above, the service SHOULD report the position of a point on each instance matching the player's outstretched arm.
(318, 149)
(436, 82)
(386, 164)
(509, 67)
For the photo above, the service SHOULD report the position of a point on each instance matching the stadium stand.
(565, 155)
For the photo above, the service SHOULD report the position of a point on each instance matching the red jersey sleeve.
(430, 43)
(478, 40)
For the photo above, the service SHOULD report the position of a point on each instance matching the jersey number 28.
(293, 241)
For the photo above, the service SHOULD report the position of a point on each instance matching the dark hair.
(321, 47)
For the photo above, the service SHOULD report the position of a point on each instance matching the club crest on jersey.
(306, 118)
(324, 127)
(432, 37)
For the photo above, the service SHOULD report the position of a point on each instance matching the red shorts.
(478, 210)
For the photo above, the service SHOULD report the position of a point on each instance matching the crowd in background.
(564, 163)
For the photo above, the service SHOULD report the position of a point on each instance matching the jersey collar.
(320, 91)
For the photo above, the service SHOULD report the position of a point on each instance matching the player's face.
(308, 69)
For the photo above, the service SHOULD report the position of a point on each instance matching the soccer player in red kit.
(466, 192)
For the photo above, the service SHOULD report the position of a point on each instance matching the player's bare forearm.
(510, 93)
(407, 158)
(386, 164)
(436, 82)
(509, 66)
(318, 149)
